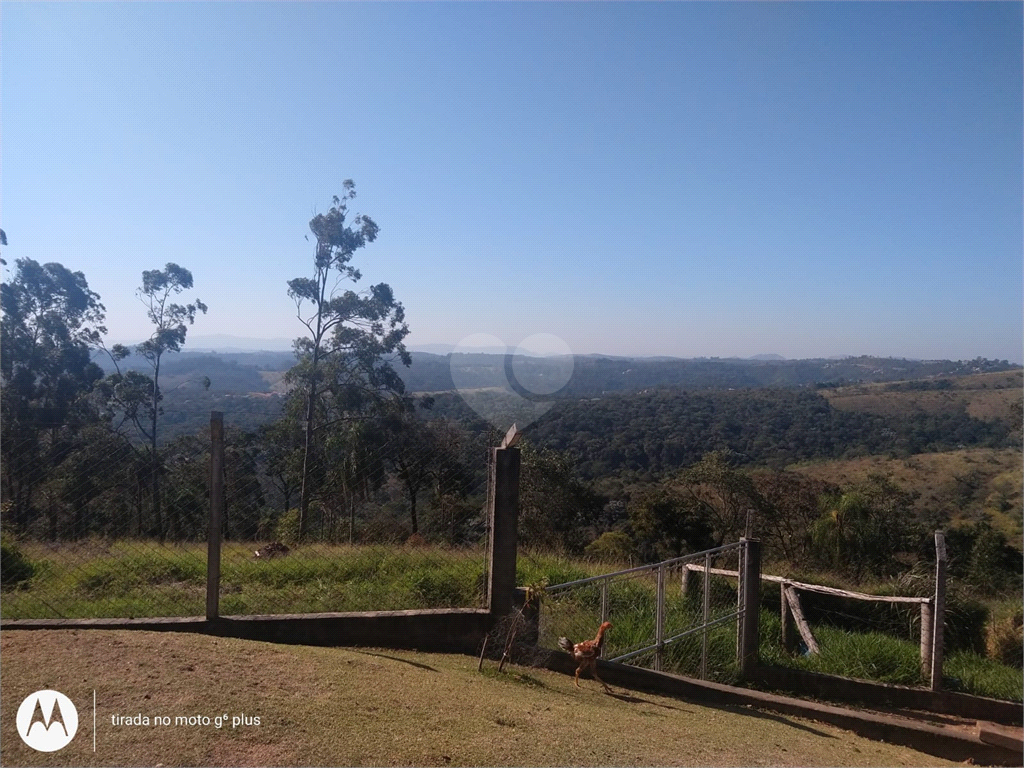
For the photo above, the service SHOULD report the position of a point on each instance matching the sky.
(679, 178)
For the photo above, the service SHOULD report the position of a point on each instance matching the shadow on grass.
(395, 658)
(731, 708)
(751, 712)
(630, 699)
(512, 675)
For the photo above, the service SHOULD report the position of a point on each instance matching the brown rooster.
(587, 653)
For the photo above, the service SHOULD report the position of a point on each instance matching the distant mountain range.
(244, 366)
(225, 343)
(250, 384)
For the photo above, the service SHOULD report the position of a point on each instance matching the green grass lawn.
(143, 579)
(886, 659)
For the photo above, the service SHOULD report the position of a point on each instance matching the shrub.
(966, 617)
(382, 527)
(613, 547)
(993, 562)
(15, 567)
(1004, 639)
(287, 530)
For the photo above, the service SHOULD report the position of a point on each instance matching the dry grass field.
(962, 484)
(985, 396)
(346, 706)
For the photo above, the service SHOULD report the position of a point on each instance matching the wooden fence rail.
(792, 614)
(815, 587)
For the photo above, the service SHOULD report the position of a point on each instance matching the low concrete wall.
(444, 630)
(834, 688)
(932, 740)
(441, 630)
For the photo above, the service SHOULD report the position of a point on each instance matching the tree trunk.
(51, 508)
(22, 506)
(79, 524)
(155, 464)
(412, 489)
(173, 523)
(304, 494)
(139, 531)
(351, 521)
(306, 465)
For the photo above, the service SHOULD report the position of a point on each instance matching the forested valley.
(352, 438)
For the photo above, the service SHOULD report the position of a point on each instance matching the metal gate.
(679, 615)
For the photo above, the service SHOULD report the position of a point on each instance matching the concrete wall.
(441, 630)
(933, 740)
(834, 688)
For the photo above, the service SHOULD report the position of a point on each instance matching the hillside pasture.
(984, 396)
(958, 486)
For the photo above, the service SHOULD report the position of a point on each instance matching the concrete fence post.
(739, 604)
(659, 619)
(504, 519)
(927, 629)
(751, 606)
(938, 611)
(216, 514)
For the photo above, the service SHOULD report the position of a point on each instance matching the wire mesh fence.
(118, 534)
(106, 541)
(379, 540)
(673, 616)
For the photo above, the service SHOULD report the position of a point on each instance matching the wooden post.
(216, 514)
(751, 606)
(503, 499)
(788, 625)
(939, 611)
(689, 580)
(801, 623)
(927, 628)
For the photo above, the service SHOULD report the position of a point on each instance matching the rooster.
(587, 653)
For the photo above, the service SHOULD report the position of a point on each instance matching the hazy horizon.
(229, 344)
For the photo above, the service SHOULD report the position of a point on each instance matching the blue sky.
(807, 179)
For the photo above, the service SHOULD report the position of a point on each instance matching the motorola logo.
(47, 720)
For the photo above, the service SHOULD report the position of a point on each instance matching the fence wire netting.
(671, 617)
(384, 530)
(374, 537)
(98, 547)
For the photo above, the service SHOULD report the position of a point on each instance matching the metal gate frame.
(745, 614)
